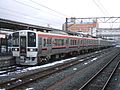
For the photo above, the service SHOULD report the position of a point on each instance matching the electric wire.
(49, 8)
(37, 8)
(16, 16)
(99, 7)
(20, 13)
(25, 16)
(103, 7)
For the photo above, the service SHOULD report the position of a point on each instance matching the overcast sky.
(54, 12)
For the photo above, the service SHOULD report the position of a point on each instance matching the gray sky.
(54, 12)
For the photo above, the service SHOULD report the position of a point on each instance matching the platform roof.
(14, 25)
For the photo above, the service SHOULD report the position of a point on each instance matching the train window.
(31, 39)
(78, 42)
(16, 39)
(40, 40)
(62, 41)
(67, 41)
(71, 42)
(44, 44)
(59, 42)
(75, 42)
(55, 42)
(81, 41)
(49, 41)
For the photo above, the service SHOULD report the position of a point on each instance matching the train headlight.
(15, 49)
(32, 49)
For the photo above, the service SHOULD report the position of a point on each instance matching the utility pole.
(66, 24)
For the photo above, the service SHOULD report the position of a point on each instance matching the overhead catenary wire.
(111, 24)
(25, 16)
(49, 8)
(20, 13)
(101, 9)
(59, 15)
(16, 16)
(102, 6)
(16, 19)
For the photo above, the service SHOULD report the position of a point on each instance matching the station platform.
(5, 56)
(6, 59)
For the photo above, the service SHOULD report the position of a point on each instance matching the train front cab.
(25, 49)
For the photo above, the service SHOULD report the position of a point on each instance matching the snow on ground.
(50, 64)
(43, 66)
(94, 59)
(90, 61)
(37, 67)
(29, 89)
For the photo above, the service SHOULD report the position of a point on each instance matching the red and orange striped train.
(32, 47)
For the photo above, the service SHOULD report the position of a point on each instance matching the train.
(34, 47)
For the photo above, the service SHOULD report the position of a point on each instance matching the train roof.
(71, 36)
(57, 34)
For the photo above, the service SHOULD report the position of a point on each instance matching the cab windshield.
(31, 39)
(16, 39)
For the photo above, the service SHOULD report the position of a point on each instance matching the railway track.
(19, 81)
(11, 69)
(59, 83)
(101, 79)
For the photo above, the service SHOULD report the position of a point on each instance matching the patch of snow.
(3, 75)
(50, 64)
(85, 63)
(74, 69)
(31, 79)
(12, 78)
(94, 59)
(8, 84)
(81, 60)
(96, 52)
(36, 67)
(2, 71)
(19, 80)
(29, 89)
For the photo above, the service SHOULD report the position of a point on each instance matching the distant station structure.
(105, 27)
(80, 26)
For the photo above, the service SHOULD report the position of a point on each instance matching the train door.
(22, 45)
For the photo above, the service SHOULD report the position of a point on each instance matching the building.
(84, 27)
